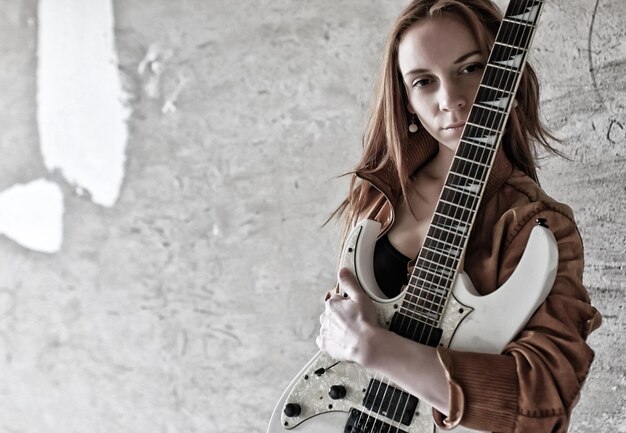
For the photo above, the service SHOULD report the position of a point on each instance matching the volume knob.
(337, 392)
(292, 409)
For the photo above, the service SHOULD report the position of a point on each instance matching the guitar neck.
(431, 281)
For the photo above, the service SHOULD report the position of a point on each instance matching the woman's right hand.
(348, 321)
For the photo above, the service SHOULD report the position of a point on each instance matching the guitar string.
(469, 197)
(524, 34)
(501, 78)
(490, 118)
(520, 30)
(449, 236)
(439, 271)
(464, 205)
(472, 149)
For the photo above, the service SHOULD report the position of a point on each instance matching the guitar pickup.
(391, 402)
(358, 422)
(415, 330)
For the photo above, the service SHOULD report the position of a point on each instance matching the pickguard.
(471, 322)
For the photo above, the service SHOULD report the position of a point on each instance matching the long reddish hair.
(386, 137)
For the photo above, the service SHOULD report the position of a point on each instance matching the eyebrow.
(456, 62)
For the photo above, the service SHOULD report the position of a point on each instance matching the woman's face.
(441, 66)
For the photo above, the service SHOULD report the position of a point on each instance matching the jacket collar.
(422, 147)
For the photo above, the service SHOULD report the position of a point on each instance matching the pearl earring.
(413, 126)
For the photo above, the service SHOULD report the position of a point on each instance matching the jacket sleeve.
(534, 384)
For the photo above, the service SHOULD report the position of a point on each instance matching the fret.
(516, 21)
(452, 194)
(485, 107)
(492, 97)
(437, 277)
(484, 86)
(420, 300)
(514, 35)
(526, 11)
(481, 116)
(434, 249)
(427, 317)
(433, 254)
(420, 285)
(517, 7)
(448, 238)
(511, 46)
(416, 286)
(475, 152)
(435, 257)
(443, 235)
(514, 62)
(467, 200)
(461, 176)
(464, 182)
(493, 131)
(426, 307)
(452, 247)
(450, 218)
(453, 210)
(441, 247)
(428, 262)
(444, 220)
(473, 136)
(502, 67)
(489, 140)
(437, 269)
(500, 78)
(468, 168)
(509, 57)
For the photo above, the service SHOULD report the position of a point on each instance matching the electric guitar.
(439, 305)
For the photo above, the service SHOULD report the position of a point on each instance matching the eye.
(474, 67)
(421, 82)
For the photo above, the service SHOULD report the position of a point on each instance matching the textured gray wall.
(190, 304)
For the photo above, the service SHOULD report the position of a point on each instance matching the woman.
(432, 65)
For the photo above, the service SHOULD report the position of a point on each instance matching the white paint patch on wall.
(81, 109)
(32, 215)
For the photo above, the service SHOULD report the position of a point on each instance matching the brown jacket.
(534, 384)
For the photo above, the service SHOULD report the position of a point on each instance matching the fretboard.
(436, 266)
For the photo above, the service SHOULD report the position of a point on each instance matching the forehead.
(434, 42)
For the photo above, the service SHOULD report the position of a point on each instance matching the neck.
(438, 167)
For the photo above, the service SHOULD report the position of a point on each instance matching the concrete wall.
(190, 303)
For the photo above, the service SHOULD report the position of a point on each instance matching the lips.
(454, 126)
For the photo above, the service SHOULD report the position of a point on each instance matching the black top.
(390, 267)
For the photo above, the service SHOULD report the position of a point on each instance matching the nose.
(451, 96)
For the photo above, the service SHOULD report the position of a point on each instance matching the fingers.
(330, 293)
(320, 339)
(318, 342)
(349, 284)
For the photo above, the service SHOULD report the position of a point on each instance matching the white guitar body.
(471, 322)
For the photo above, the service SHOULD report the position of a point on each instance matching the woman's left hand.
(348, 321)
